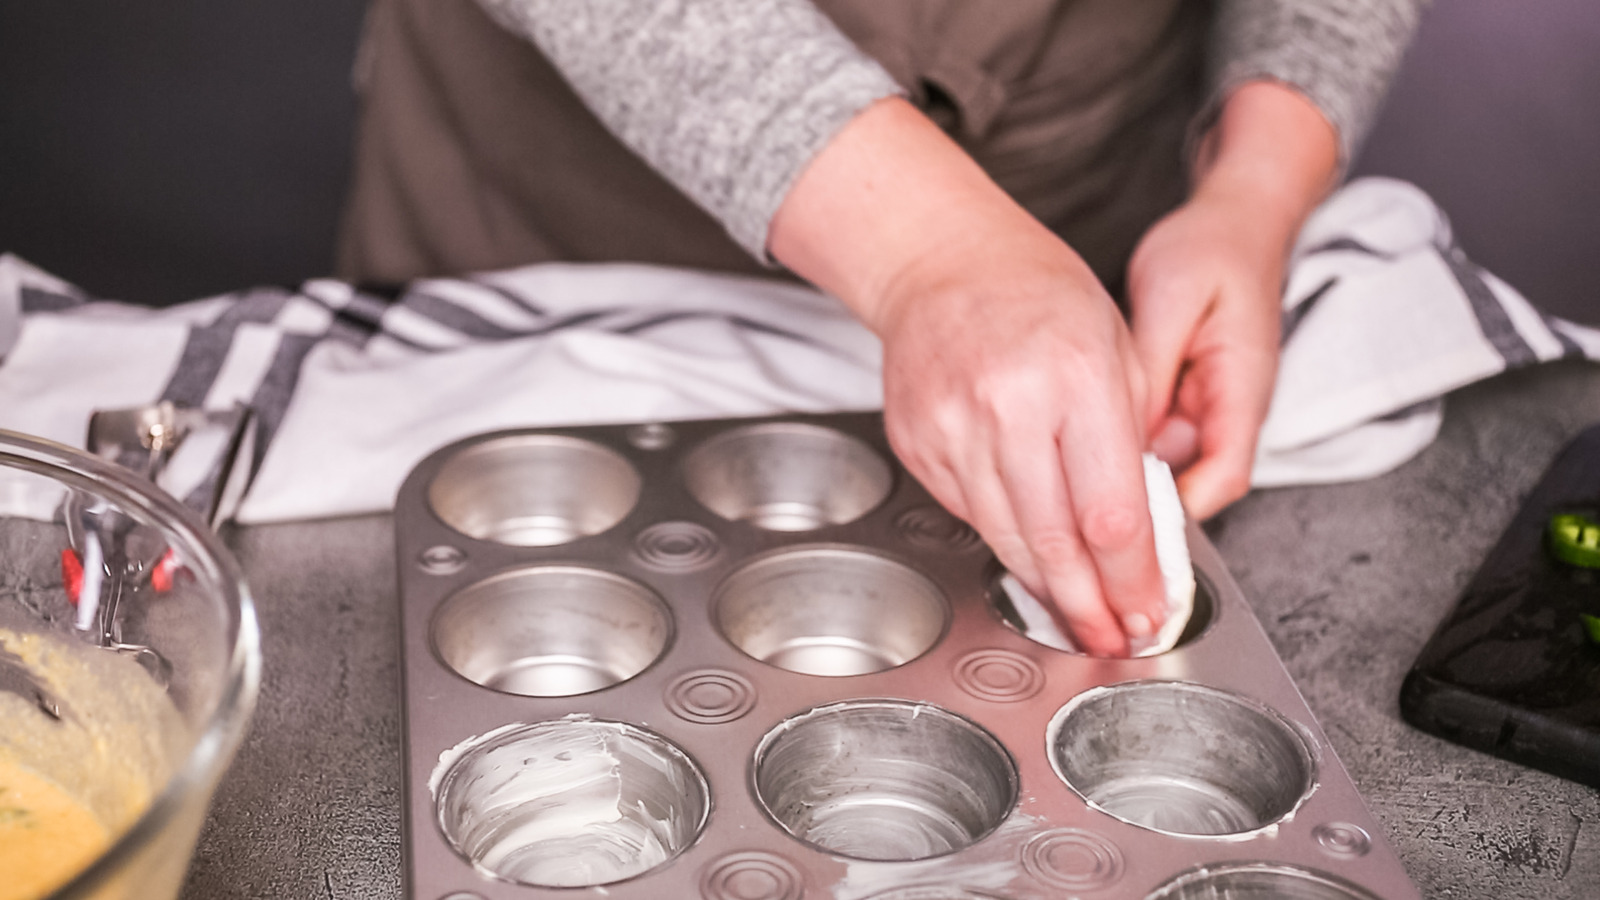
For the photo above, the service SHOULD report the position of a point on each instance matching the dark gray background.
(160, 150)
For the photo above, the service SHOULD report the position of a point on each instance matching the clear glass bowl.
(129, 665)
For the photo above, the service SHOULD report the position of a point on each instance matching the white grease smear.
(551, 811)
(1053, 732)
(447, 759)
(864, 879)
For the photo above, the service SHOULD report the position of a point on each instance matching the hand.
(1205, 285)
(1011, 388)
(1205, 295)
(1012, 392)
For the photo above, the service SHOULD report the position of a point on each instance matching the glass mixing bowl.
(129, 666)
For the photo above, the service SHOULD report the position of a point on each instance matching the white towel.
(1383, 316)
(352, 390)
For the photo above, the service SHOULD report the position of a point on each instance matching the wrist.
(889, 209)
(1271, 148)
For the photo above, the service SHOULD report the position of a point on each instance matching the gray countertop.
(1348, 580)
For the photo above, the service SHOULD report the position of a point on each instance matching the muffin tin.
(753, 660)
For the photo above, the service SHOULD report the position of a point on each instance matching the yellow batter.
(68, 786)
(45, 835)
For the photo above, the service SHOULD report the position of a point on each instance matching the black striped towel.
(1383, 316)
(351, 388)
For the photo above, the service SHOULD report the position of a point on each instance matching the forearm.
(891, 190)
(1340, 54)
(728, 99)
(1273, 148)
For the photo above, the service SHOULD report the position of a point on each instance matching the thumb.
(1163, 328)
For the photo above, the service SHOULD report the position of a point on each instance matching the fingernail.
(1137, 625)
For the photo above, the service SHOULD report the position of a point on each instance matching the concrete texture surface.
(1348, 580)
(1351, 580)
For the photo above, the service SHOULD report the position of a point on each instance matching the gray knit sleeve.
(1339, 53)
(728, 99)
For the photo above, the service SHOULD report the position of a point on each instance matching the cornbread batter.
(45, 834)
(70, 785)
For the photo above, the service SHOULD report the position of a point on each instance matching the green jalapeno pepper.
(1575, 540)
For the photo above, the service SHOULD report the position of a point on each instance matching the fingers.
(931, 469)
(1100, 459)
(1230, 414)
(953, 460)
(1035, 485)
(1161, 348)
(1213, 482)
(1093, 558)
(1167, 309)
(1176, 442)
(994, 516)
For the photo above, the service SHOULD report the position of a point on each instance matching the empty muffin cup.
(787, 476)
(884, 780)
(551, 631)
(829, 610)
(534, 490)
(1181, 758)
(569, 803)
(1249, 881)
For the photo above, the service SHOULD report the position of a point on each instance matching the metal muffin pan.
(753, 660)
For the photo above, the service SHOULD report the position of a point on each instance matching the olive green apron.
(473, 154)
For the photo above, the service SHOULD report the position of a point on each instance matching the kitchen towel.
(351, 389)
(1383, 316)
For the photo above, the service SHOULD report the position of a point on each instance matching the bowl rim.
(225, 727)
